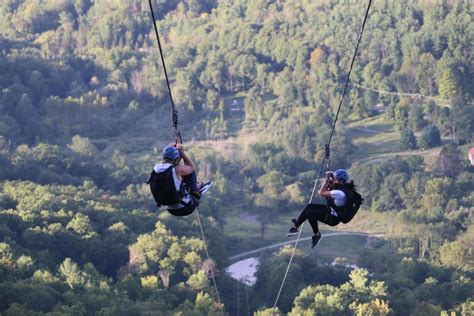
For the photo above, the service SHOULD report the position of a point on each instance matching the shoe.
(205, 187)
(315, 240)
(196, 194)
(293, 231)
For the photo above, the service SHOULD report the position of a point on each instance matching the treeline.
(80, 250)
(398, 284)
(284, 57)
(430, 206)
(420, 267)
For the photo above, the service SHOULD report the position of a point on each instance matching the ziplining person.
(179, 181)
(172, 184)
(350, 208)
(342, 203)
(175, 185)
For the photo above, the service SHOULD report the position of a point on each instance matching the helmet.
(171, 152)
(341, 175)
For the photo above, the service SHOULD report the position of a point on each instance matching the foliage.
(430, 137)
(83, 89)
(304, 271)
(358, 296)
(408, 139)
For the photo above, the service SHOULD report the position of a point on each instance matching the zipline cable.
(442, 102)
(238, 297)
(247, 299)
(327, 147)
(179, 140)
(209, 258)
(174, 113)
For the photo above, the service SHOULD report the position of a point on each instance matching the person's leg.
(329, 219)
(191, 182)
(189, 204)
(320, 213)
(313, 213)
(303, 216)
(183, 211)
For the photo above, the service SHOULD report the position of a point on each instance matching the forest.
(85, 113)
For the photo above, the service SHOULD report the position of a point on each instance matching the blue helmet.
(171, 152)
(341, 175)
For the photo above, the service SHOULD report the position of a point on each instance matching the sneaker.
(196, 194)
(293, 231)
(315, 240)
(205, 187)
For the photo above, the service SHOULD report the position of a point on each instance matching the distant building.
(236, 105)
(379, 108)
(471, 156)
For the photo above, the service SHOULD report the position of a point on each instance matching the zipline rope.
(174, 113)
(327, 148)
(209, 258)
(179, 140)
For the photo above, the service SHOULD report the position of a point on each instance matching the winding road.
(292, 241)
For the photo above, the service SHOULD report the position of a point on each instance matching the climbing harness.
(327, 149)
(174, 118)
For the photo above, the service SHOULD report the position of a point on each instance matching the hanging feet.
(293, 230)
(315, 240)
(205, 187)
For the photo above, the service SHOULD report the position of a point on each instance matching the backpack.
(353, 202)
(163, 188)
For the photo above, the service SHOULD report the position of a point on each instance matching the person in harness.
(175, 185)
(342, 203)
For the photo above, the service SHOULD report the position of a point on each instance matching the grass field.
(376, 139)
(247, 231)
(374, 136)
(344, 246)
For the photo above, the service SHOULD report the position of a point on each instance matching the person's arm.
(325, 190)
(188, 167)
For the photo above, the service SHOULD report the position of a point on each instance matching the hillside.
(85, 113)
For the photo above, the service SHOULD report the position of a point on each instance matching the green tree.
(448, 83)
(408, 139)
(27, 118)
(436, 195)
(416, 119)
(412, 190)
(357, 295)
(458, 253)
(81, 224)
(83, 146)
(6, 255)
(430, 137)
(461, 119)
(70, 272)
(450, 161)
(388, 197)
(268, 312)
